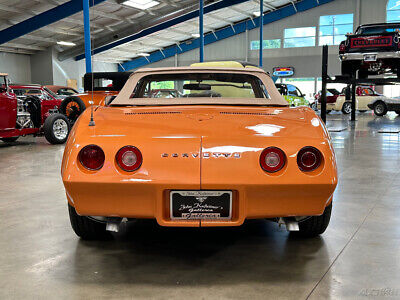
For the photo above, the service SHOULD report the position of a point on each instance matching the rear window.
(333, 91)
(377, 29)
(209, 85)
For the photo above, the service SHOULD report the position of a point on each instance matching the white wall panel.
(18, 66)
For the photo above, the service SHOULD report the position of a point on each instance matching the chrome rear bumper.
(360, 56)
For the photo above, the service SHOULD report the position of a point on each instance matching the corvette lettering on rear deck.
(204, 155)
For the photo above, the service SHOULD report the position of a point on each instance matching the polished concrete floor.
(357, 257)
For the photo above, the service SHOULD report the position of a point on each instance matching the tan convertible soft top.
(124, 97)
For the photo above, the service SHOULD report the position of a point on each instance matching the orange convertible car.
(224, 149)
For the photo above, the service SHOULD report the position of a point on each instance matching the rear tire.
(56, 129)
(397, 112)
(10, 139)
(380, 109)
(72, 107)
(314, 106)
(315, 225)
(86, 228)
(346, 108)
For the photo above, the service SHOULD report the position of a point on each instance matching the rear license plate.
(370, 57)
(198, 205)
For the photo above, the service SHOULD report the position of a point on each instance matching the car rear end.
(373, 48)
(279, 163)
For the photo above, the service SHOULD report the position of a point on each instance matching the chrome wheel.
(379, 109)
(60, 129)
(347, 107)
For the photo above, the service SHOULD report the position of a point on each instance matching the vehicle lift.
(350, 81)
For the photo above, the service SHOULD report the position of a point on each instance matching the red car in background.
(331, 97)
(49, 100)
(30, 110)
(61, 91)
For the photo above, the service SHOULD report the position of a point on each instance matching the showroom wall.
(44, 68)
(41, 67)
(47, 69)
(71, 69)
(18, 66)
(307, 60)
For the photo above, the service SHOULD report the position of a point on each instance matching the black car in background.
(372, 50)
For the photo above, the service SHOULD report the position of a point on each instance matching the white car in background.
(382, 105)
(364, 96)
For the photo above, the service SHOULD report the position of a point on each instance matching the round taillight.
(129, 158)
(272, 159)
(342, 47)
(308, 159)
(92, 157)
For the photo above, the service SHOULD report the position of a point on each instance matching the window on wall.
(333, 28)
(393, 11)
(267, 44)
(299, 37)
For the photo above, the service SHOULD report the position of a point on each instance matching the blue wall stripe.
(223, 33)
(46, 18)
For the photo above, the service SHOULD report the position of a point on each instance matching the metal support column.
(247, 44)
(324, 82)
(88, 46)
(201, 25)
(261, 32)
(353, 101)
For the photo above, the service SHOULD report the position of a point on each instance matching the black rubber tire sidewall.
(87, 228)
(48, 129)
(315, 225)
(384, 109)
(66, 101)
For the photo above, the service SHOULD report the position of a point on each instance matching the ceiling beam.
(17, 51)
(62, 31)
(218, 18)
(112, 38)
(43, 19)
(266, 4)
(223, 33)
(153, 25)
(24, 46)
(36, 38)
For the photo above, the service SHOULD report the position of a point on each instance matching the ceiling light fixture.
(195, 35)
(140, 4)
(143, 54)
(63, 43)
